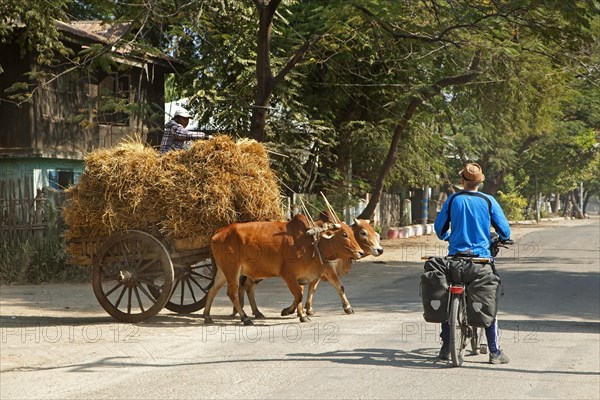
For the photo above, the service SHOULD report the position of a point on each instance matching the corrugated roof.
(109, 32)
(101, 32)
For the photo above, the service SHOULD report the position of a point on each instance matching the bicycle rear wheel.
(458, 330)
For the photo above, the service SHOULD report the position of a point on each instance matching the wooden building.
(74, 110)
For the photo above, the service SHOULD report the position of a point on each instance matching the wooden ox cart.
(135, 274)
(126, 219)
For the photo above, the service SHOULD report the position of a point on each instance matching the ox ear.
(326, 235)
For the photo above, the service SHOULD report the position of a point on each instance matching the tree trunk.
(578, 211)
(264, 76)
(556, 205)
(265, 81)
(586, 199)
(401, 130)
(492, 186)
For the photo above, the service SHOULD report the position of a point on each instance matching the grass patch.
(43, 261)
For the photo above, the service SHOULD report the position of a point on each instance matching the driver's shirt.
(469, 227)
(175, 136)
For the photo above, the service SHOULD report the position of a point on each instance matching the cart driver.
(176, 135)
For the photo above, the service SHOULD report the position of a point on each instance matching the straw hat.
(472, 172)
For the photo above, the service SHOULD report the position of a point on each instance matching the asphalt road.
(57, 343)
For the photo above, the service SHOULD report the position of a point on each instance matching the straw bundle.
(181, 194)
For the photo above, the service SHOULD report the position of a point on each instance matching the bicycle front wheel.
(458, 332)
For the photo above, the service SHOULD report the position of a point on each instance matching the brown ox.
(367, 239)
(260, 250)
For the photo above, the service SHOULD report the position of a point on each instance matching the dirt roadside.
(49, 303)
(413, 248)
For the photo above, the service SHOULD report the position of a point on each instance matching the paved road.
(57, 343)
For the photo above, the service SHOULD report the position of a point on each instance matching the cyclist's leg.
(445, 333)
(497, 356)
(445, 336)
(491, 334)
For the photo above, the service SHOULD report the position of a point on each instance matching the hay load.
(179, 195)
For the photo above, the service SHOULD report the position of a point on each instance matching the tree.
(477, 27)
(359, 96)
(266, 81)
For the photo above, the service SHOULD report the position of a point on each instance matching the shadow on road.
(415, 359)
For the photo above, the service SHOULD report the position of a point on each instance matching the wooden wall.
(21, 212)
(64, 117)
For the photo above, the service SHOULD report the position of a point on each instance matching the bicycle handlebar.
(483, 260)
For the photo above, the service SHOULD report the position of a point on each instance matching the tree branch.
(401, 128)
(294, 60)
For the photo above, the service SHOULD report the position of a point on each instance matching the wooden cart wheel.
(191, 286)
(125, 267)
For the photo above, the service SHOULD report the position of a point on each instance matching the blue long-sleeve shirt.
(469, 227)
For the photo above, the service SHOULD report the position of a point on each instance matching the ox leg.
(334, 279)
(220, 280)
(298, 292)
(233, 290)
(312, 287)
(293, 308)
(247, 286)
(243, 289)
(250, 286)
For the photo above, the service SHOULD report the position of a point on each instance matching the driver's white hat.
(182, 112)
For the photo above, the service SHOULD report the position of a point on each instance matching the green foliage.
(37, 262)
(513, 204)
(31, 26)
(532, 115)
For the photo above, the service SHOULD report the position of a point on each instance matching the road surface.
(57, 343)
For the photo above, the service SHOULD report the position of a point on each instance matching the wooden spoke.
(140, 262)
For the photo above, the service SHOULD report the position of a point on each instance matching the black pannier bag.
(434, 290)
(483, 289)
(483, 295)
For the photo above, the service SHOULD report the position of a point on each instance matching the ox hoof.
(259, 315)
(304, 318)
(208, 321)
(310, 312)
(349, 310)
(285, 312)
(248, 321)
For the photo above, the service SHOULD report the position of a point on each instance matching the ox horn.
(356, 222)
(327, 235)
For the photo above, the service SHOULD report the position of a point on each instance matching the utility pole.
(537, 201)
(581, 197)
(425, 211)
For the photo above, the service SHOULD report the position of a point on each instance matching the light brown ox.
(260, 250)
(367, 239)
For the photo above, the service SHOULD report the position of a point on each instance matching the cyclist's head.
(472, 176)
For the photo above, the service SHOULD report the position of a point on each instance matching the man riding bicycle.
(465, 221)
